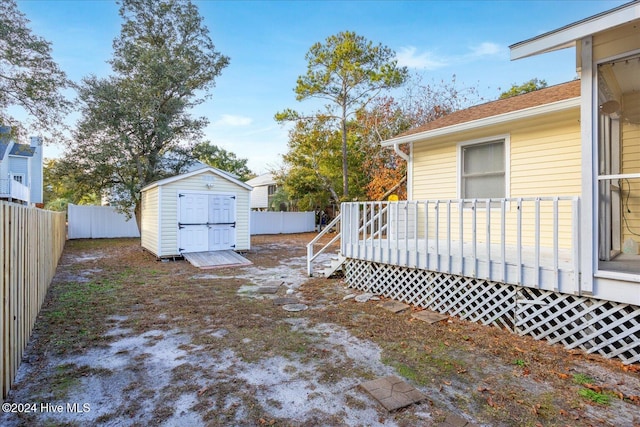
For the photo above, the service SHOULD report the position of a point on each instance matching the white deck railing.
(12, 189)
(311, 254)
(533, 242)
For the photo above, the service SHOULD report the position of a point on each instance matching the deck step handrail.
(311, 256)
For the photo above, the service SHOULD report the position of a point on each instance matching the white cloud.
(231, 120)
(408, 57)
(486, 49)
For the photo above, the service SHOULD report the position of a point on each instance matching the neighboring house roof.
(559, 97)
(260, 180)
(3, 148)
(22, 150)
(568, 35)
(215, 171)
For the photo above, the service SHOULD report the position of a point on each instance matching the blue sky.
(267, 42)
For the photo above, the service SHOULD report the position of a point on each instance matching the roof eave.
(552, 107)
(215, 171)
(568, 35)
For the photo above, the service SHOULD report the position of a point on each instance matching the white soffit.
(568, 35)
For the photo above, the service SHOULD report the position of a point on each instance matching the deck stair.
(312, 254)
(334, 267)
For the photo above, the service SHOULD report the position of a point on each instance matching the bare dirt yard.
(126, 340)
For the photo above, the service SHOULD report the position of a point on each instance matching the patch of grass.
(405, 371)
(594, 396)
(519, 362)
(582, 379)
(68, 376)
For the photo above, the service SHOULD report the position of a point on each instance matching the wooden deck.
(529, 267)
(216, 259)
(531, 242)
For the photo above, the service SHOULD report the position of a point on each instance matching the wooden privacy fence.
(31, 242)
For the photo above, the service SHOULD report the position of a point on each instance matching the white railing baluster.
(415, 233)
(437, 236)
(488, 237)
(519, 241)
(474, 236)
(503, 239)
(575, 242)
(406, 233)
(556, 285)
(536, 262)
(426, 234)
(461, 235)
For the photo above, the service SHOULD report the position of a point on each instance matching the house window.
(482, 170)
(19, 178)
(271, 190)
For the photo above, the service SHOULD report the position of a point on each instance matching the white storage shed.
(199, 211)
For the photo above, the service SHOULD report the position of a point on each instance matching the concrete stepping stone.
(285, 301)
(295, 307)
(394, 306)
(393, 393)
(453, 420)
(364, 297)
(429, 316)
(267, 289)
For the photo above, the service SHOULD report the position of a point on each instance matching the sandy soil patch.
(126, 340)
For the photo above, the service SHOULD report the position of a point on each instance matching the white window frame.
(507, 156)
(22, 177)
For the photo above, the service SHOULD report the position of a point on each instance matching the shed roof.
(215, 171)
(565, 95)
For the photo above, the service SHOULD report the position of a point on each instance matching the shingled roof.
(536, 98)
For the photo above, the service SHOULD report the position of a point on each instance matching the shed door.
(192, 223)
(222, 222)
(207, 222)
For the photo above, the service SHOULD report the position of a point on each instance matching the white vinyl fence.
(282, 222)
(98, 222)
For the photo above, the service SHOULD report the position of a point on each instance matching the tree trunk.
(137, 211)
(345, 179)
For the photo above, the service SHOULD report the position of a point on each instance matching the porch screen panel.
(483, 170)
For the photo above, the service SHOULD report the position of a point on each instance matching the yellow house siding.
(544, 161)
(616, 41)
(631, 164)
(149, 221)
(434, 172)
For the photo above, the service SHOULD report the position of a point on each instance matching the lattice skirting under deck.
(608, 328)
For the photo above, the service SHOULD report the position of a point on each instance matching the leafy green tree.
(312, 173)
(529, 86)
(386, 117)
(29, 78)
(135, 124)
(222, 159)
(348, 71)
(60, 188)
